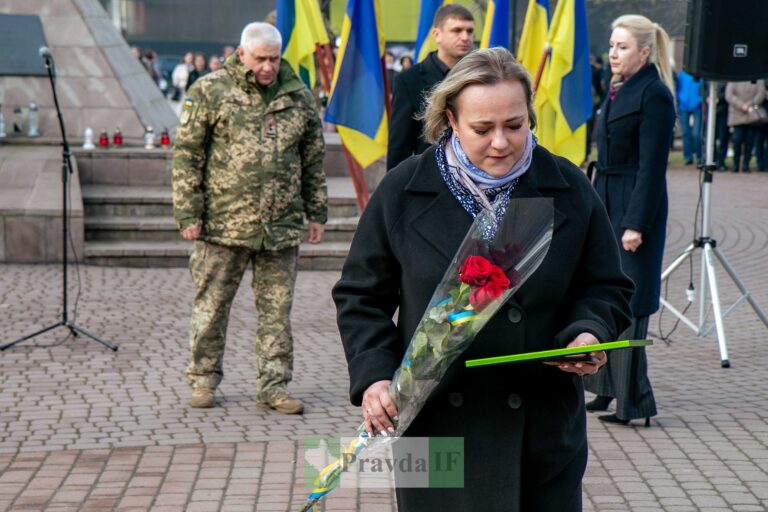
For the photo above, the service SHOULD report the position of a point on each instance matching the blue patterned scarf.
(471, 186)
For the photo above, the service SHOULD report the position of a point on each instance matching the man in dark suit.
(453, 29)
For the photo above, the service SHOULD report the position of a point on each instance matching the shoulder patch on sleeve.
(186, 110)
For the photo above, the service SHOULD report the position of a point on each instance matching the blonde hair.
(650, 35)
(486, 67)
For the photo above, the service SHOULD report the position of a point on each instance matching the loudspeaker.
(727, 39)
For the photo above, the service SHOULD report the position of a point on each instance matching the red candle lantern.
(165, 139)
(104, 139)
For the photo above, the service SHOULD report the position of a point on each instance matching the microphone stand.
(66, 170)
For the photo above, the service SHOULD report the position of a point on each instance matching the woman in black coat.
(634, 132)
(523, 425)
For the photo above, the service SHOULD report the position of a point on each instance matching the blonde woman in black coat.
(523, 425)
(634, 132)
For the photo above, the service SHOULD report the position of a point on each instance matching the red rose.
(475, 271)
(499, 277)
(483, 296)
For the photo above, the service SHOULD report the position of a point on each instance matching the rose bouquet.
(493, 261)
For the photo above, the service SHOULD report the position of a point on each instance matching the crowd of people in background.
(396, 65)
(740, 131)
(175, 81)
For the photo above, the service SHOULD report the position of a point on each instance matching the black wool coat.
(523, 425)
(406, 136)
(634, 133)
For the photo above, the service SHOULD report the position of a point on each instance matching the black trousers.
(722, 136)
(743, 139)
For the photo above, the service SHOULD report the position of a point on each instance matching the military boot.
(202, 398)
(285, 404)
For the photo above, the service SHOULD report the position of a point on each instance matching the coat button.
(514, 315)
(514, 401)
(456, 399)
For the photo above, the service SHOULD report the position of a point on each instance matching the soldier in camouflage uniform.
(247, 172)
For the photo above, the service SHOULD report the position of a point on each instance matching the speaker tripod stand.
(710, 252)
(66, 170)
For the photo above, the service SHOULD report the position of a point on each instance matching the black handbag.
(757, 115)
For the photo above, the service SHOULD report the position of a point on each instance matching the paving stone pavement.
(82, 428)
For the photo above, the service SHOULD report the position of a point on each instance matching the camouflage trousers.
(217, 271)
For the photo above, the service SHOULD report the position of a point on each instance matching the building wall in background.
(175, 26)
(400, 17)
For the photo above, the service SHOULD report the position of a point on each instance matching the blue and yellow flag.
(564, 98)
(301, 25)
(496, 29)
(357, 102)
(534, 36)
(425, 43)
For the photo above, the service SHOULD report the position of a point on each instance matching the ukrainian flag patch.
(186, 111)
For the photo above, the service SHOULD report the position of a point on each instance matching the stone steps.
(132, 226)
(120, 200)
(140, 253)
(163, 229)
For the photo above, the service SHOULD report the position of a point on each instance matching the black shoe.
(735, 169)
(746, 169)
(688, 162)
(612, 418)
(600, 403)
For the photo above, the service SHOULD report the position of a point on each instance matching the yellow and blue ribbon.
(461, 318)
(354, 447)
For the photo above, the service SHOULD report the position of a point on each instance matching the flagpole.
(320, 53)
(356, 172)
(512, 25)
(387, 101)
(540, 70)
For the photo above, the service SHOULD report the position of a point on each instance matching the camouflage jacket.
(252, 172)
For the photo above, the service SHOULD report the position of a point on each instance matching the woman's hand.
(378, 409)
(631, 240)
(585, 367)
